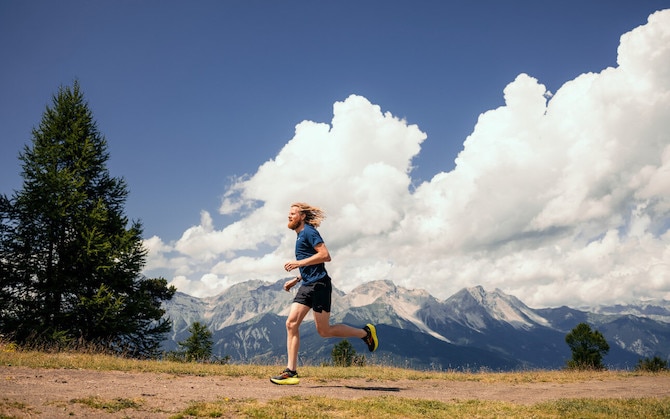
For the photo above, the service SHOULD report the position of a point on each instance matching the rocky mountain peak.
(493, 328)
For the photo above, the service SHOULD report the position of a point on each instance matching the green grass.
(398, 407)
(326, 407)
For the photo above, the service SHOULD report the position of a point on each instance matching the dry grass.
(115, 405)
(11, 355)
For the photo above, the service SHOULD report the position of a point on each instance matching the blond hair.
(313, 215)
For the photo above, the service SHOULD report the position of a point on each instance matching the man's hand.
(289, 266)
(290, 284)
(322, 255)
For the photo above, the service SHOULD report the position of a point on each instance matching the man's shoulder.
(311, 231)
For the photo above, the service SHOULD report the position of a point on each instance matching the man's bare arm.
(322, 255)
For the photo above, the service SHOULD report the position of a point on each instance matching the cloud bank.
(557, 198)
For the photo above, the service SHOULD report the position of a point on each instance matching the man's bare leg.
(326, 330)
(296, 315)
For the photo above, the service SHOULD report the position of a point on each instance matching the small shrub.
(654, 364)
(359, 361)
(343, 354)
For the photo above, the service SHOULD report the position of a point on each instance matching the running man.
(315, 291)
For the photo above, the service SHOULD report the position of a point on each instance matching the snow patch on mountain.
(506, 308)
(658, 310)
(405, 302)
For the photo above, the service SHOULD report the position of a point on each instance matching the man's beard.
(294, 224)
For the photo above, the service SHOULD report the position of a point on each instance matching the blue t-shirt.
(305, 243)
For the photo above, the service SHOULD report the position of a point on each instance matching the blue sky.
(194, 98)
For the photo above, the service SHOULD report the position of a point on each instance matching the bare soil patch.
(48, 393)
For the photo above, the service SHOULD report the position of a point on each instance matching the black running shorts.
(315, 295)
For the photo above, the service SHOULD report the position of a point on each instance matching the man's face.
(295, 218)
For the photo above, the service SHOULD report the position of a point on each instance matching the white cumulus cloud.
(557, 198)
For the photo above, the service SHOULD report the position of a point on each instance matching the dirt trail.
(48, 393)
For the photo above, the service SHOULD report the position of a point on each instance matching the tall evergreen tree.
(70, 264)
(588, 348)
(198, 346)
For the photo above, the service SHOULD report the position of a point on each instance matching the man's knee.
(292, 324)
(323, 331)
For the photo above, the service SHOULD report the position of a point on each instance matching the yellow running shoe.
(286, 377)
(371, 338)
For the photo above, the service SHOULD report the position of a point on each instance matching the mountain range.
(472, 330)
